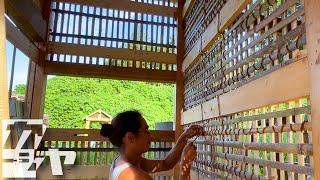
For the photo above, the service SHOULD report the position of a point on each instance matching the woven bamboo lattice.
(198, 19)
(265, 37)
(94, 26)
(271, 142)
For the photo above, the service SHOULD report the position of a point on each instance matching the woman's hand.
(188, 155)
(193, 130)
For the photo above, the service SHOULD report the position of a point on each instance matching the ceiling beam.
(19, 40)
(113, 53)
(28, 17)
(109, 72)
(128, 6)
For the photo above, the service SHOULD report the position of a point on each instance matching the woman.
(130, 132)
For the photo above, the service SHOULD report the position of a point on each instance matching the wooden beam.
(28, 18)
(112, 72)
(58, 134)
(128, 6)
(39, 89)
(19, 40)
(192, 115)
(4, 99)
(313, 30)
(179, 86)
(219, 24)
(187, 6)
(261, 92)
(108, 52)
(29, 90)
(258, 93)
(226, 18)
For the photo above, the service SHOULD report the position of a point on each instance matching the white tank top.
(115, 171)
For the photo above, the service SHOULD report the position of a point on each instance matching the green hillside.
(69, 99)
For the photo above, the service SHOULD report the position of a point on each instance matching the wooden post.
(313, 46)
(4, 99)
(179, 88)
(38, 88)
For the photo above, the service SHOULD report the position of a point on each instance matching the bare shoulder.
(133, 173)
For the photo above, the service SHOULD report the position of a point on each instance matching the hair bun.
(106, 130)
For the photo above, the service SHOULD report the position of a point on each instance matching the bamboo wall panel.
(240, 90)
(198, 19)
(267, 36)
(270, 142)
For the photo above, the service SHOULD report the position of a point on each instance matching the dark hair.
(128, 121)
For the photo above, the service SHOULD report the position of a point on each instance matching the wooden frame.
(128, 6)
(178, 107)
(28, 18)
(4, 103)
(37, 89)
(112, 72)
(108, 52)
(16, 37)
(313, 45)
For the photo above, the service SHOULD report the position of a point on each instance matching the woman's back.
(125, 171)
(115, 171)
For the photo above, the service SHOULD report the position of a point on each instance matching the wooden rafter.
(112, 72)
(128, 6)
(108, 52)
(19, 40)
(27, 16)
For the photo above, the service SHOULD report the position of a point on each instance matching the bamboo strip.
(273, 164)
(277, 147)
(209, 174)
(289, 138)
(273, 172)
(230, 169)
(295, 111)
(301, 157)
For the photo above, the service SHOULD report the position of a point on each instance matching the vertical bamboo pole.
(289, 140)
(4, 100)
(179, 88)
(280, 140)
(313, 30)
(273, 174)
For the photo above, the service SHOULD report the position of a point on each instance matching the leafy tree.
(20, 89)
(69, 100)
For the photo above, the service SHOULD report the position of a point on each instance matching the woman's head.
(127, 128)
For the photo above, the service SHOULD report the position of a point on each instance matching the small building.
(97, 116)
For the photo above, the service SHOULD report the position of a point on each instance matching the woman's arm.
(174, 155)
(189, 153)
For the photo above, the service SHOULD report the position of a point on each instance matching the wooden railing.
(95, 153)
